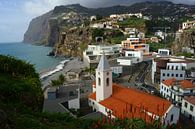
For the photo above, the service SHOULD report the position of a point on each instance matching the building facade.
(130, 58)
(136, 44)
(92, 54)
(175, 90)
(164, 68)
(188, 107)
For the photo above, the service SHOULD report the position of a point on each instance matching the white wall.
(117, 69)
(173, 110)
(74, 104)
(186, 110)
(153, 70)
(138, 54)
(94, 104)
(124, 62)
(164, 90)
(163, 51)
(99, 49)
(167, 74)
(103, 90)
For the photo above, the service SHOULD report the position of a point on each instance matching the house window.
(191, 91)
(168, 67)
(107, 73)
(176, 67)
(176, 75)
(171, 118)
(172, 67)
(107, 81)
(181, 75)
(99, 81)
(161, 87)
(186, 104)
(163, 74)
(168, 74)
(172, 75)
(191, 108)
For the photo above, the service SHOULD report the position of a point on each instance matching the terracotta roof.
(93, 96)
(126, 102)
(190, 99)
(169, 82)
(184, 83)
(187, 84)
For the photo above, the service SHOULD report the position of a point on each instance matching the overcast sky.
(16, 14)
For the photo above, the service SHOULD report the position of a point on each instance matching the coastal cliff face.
(73, 42)
(187, 39)
(38, 30)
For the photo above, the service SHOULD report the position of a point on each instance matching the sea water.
(36, 55)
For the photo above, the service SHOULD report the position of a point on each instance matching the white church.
(116, 101)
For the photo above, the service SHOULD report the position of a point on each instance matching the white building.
(164, 68)
(175, 90)
(98, 25)
(138, 15)
(188, 25)
(119, 102)
(163, 52)
(130, 58)
(92, 54)
(160, 34)
(188, 107)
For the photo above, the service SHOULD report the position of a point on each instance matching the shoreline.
(74, 63)
(58, 68)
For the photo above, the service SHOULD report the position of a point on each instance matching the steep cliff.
(73, 41)
(186, 39)
(38, 30)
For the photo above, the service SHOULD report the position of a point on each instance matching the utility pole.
(165, 30)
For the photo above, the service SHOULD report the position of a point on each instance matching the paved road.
(140, 79)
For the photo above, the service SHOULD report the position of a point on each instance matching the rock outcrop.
(73, 41)
(38, 30)
(186, 39)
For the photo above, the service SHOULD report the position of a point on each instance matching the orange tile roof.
(187, 84)
(126, 102)
(169, 82)
(92, 96)
(184, 83)
(190, 99)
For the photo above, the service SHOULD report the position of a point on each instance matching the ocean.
(36, 55)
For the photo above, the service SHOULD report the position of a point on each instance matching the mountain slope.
(45, 29)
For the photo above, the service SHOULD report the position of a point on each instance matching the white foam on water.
(57, 69)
